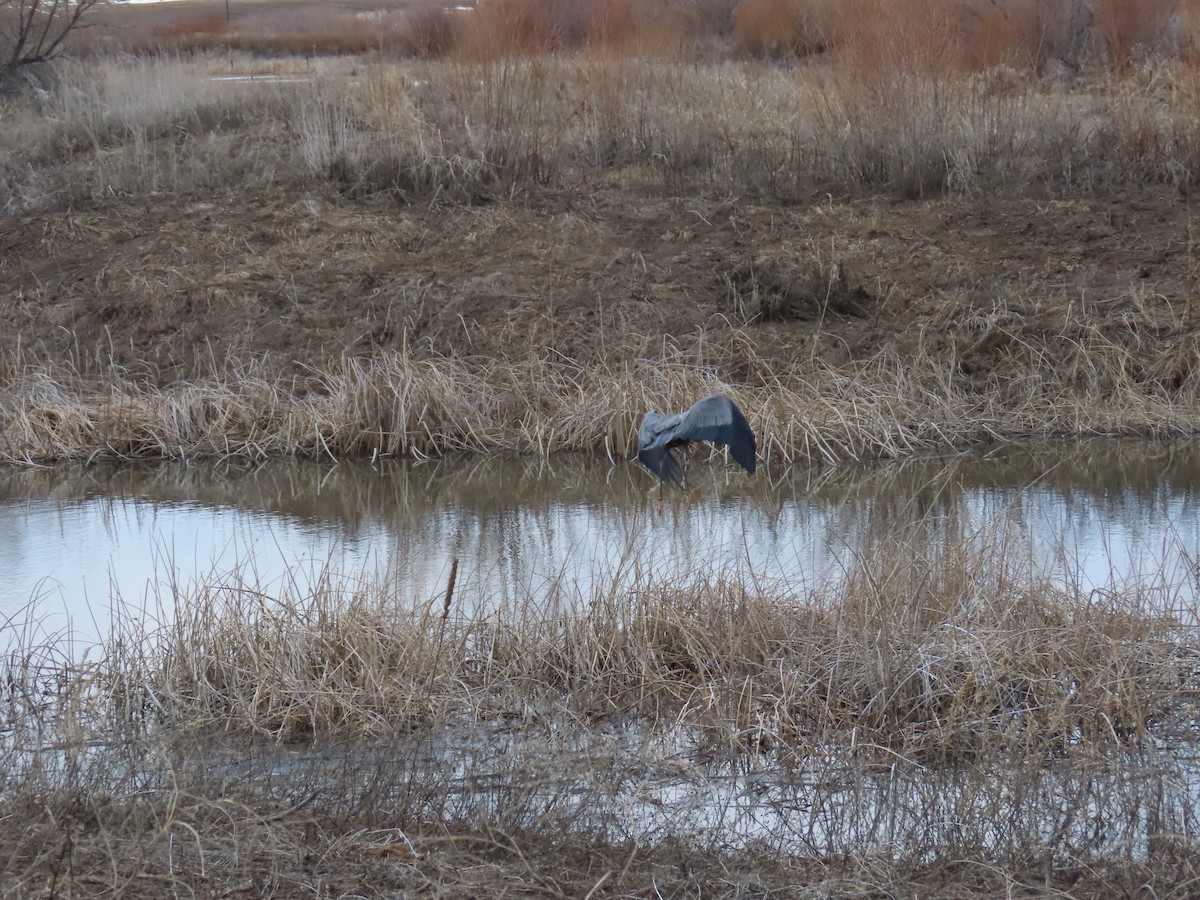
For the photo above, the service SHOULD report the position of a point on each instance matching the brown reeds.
(399, 404)
(927, 649)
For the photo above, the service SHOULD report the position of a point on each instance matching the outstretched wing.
(717, 419)
(655, 433)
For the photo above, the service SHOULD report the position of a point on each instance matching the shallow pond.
(76, 540)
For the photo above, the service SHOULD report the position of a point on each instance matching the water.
(1100, 516)
(630, 786)
(76, 540)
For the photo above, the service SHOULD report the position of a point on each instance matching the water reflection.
(74, 537)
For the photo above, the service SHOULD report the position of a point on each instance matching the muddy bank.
(988, 286)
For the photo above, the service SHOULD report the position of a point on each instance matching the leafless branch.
(34, 30)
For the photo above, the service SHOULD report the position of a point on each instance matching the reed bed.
(407, 405)
(943, 705)
(928, 650)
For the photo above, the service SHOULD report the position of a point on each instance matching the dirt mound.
(791, 286)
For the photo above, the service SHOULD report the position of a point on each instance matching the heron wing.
(663, 463)
(655, 433)
(717, 419)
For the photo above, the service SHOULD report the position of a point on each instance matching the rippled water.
(75, 540)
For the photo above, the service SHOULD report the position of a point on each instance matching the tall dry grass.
(408, 404)
(929, 647)
(898, 116)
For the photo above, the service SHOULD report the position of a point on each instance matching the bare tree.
(32, 31)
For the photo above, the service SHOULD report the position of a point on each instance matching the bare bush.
(773, 27)
(1129, 25)
(432, 30)
(33, 31)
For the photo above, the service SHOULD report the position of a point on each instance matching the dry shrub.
(1012, 33)
(1027, 33)
(613, 23)
(527, 27)
(1184, 29)
(708, 20)
(772, 27)
(432, 30)
(877, 38)
(524, 27)
(631, 29)
(1127, 26)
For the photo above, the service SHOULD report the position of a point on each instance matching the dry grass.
(404, 404)
(927, 649)
(442, 131)
(942, 719)
(462, 130)
(942, 705)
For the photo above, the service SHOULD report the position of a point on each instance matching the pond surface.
(74, 541)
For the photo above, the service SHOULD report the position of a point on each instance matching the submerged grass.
(940, 706)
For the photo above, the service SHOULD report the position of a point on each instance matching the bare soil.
(986, 282)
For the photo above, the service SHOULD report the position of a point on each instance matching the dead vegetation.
(942, 703)
(404, 404)
(978, 654)
(934, 232)
(389, 234)
(966, 34)
(473, 131)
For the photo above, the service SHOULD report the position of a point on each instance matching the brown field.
(884, 229)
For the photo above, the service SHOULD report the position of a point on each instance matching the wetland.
(325, 569)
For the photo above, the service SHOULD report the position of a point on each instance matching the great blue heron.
(714, 418)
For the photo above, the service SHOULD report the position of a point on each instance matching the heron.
(715, 418)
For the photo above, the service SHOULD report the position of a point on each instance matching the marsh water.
(77, 541)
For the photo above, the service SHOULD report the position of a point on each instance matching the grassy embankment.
(944, 719)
